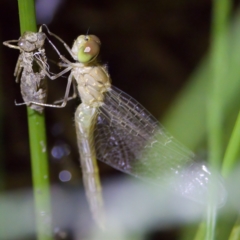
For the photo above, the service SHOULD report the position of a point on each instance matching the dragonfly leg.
(64, 101)
(69, 98)
(7, 43)
(59, 39)
(55, 76)
(18, 69)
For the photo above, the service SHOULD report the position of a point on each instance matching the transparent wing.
(130, 139)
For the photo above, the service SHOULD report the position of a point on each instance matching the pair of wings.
(128, 138)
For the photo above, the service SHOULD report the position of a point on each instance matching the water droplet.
(65, 176)
(60, 233)
(60, 150)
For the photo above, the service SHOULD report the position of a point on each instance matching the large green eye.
(89, 49)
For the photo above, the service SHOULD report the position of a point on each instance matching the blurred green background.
(156, 51)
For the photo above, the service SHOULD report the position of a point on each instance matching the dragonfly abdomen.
(85, 119)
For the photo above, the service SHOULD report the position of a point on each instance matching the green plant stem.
(2, 149)
(189, 110)
(229, 162)
(186, 119)
(37, 137)
(200, 234)
(27, 15)
(219, 71)
(235, 233)
(215, 116)
(211, 222)
(40, 174)
(233, 149)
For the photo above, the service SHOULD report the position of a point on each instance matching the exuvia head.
(31, 41)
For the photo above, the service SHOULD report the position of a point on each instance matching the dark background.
(150, 47)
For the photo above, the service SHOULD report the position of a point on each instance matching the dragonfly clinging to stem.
(114, 128)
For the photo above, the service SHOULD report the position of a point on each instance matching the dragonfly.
(33, 84)
(114, 128)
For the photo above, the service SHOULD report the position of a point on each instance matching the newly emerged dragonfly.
(114, 128)
(33, 84)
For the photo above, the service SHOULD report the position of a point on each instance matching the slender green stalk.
(183, 115)
(200, 234)
(215, 114)
(219, 71)
(2, 162)
(233, 149)
(235, 233)
(188, 111)
(211, 222)
(229, 162)
(40, 174)
(206, 229)
(27, 15)
(37, 136)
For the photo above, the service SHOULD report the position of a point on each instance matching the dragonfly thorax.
(92, 83)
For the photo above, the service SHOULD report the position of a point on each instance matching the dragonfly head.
(86, 48)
